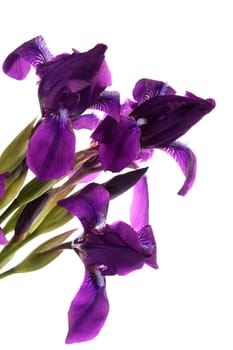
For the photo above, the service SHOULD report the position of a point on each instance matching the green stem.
(7, 273)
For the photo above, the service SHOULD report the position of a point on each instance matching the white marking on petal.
(141, 121)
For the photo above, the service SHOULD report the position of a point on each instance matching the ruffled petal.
(3, 240)
(2, 184)
(109, 102)
(31, 53)
(145, 89)
(139, 210)
(51, 150)
(89, 308)
(186, 159)
(90, 205)
(163, 119)
(119, 150)
(74, 81)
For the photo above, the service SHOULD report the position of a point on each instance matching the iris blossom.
(105, 250)
(156, 119)
(69, 84)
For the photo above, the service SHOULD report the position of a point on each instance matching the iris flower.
(105, 250)
(69, 84)
(155, 119)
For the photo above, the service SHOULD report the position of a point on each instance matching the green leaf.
(15, 152)
(43, 254)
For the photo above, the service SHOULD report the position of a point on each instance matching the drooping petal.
(145, 89)
(2, 183)
(117, 247)
(51, 149)
(3, 240)
(109, 102)
(75, 81)
(163, 119)
(139, 210)
(186, 159)
(89, 308)
(85, 121)
(119, 150)
(148, 244)
(31, 53)
(90, 205)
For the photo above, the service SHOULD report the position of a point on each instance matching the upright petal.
(74, 81)
(139, 210)
(163, 119)
(186, 159)
(2, 183)
(90, 205)
(121, 149)
(145, 89)
(109, 102)
(3, 240)
(31, 53)
(51, 149)
(89, 308)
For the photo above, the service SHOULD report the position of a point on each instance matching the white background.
(187, 303)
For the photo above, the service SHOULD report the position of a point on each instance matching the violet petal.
(31, 53)
(117, 247)
(186, 159)
(163, 119)
(52, 148)
(122, 148)
(139, 210)
(89, 308)
(3, 240)
(148, 245)
(90, 205)
(109, 102)
(85, 121)
(145, 89)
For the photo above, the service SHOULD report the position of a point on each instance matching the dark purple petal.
(109, 102)
(31, 53)
(2, 184)
(148, 244)
(186, 159)
(117, 247)
(163, 119)
(85, 121)
(145, 89)
(106, 130)
(89, 308)
(139, 210)
(75, 81)
(119, 150)
(51, 150)
(90, 205)
(3, 240)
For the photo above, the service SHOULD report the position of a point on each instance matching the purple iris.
(69, 84)
(156, 119)
(3, 240)
(105, 250)
(3, 177)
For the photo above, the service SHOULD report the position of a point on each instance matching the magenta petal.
(186, 159)
(139, 210)
(145, 89)
(90, 205)
(31, 53)
(109, 102)
(2, 184)
(3, 240)
(89, 309)
(51, 149)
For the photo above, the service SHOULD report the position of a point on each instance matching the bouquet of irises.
(45, 181)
